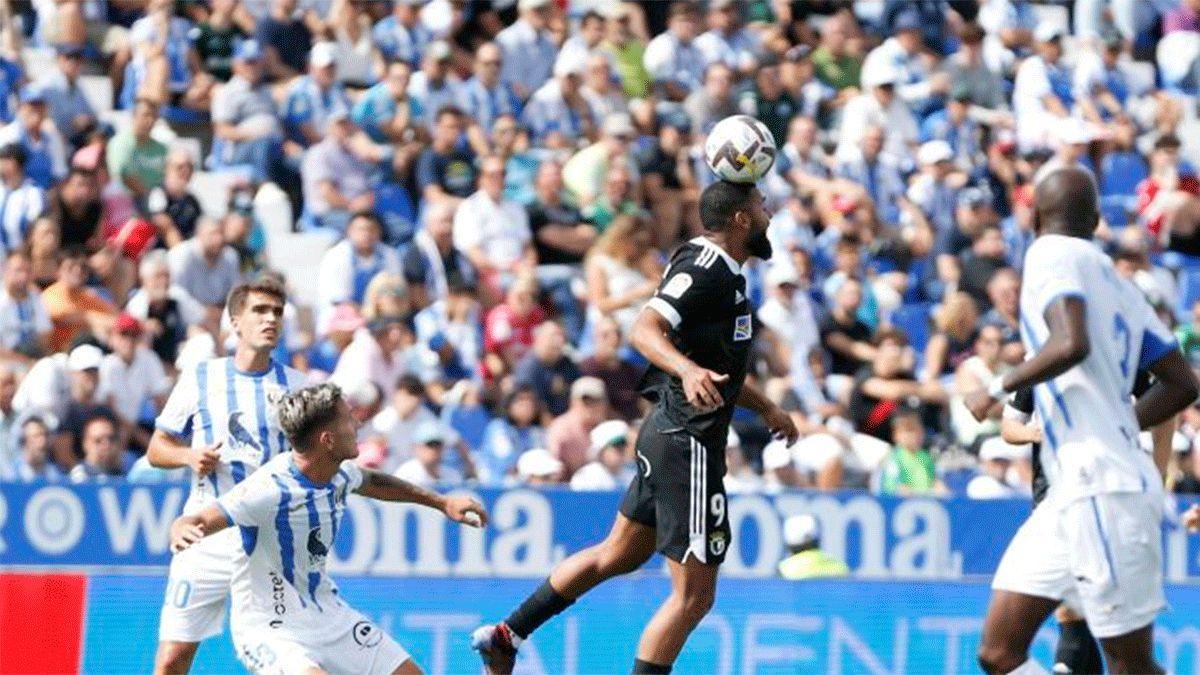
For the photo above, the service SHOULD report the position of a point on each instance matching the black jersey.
(703, 296)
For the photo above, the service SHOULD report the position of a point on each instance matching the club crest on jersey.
(716, 543)
(239, 436)
(316, 548)
(742, 328)
(677, 285)
(366, 634)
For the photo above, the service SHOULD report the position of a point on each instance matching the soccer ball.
(740, 149)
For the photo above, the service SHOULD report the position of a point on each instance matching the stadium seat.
(212, 191)
(913, 319)
(1122, 171)
(1189, 292)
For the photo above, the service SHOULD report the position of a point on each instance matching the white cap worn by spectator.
(618, 124)
(524, 5)
(878, 73)
(606, 434)
(440, 50)
(538, 463)
(589, 387)
(801, 530)
(782, 274)
(573, 63)
(1049, 30)
(84, 357)
(363, 394)
(322, 55)
(932, 152)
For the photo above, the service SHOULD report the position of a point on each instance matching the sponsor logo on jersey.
(677, 285)
(742, 329)
(277, 598)
(366, 634)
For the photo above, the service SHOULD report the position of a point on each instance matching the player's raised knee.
(174, 657)
(997, 659)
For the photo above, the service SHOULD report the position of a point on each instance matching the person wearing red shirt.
(508, 328)
(1165, 190)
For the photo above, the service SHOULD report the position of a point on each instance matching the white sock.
(1030, 667)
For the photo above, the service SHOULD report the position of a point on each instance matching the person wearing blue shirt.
(877, 172)
(529, 49)
(401, 36)
(69, 108)
(386, 113)
(487, 96)
(10, 84)
(514, 432)
(46, 155)
(953, 125)
(311, 99)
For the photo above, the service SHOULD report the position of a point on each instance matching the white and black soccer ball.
(740, 149)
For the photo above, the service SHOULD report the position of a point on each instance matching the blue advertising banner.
(757, 626)
(118, 526)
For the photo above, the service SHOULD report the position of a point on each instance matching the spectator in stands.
(622, 271)
(547, 369)
(134, 157)
(881, 388)
(45, 153)
(401, 37)
(806, 560)
(618, 198)
(349, 26)
(487, 96)
(538, 467)
(165, 67)
(844, 336)
(1166, 198)
(427, 468)
(446, 171)
(740, 476)
(968, 69)
(667, 182)
(82, 403)
(22, 200)
(450, 327)
(24, 324)
(878, 106)
(35, 462)
(205, 266)
(609, 466)
(568, 436)
(336, 178)
(432, 264)
(380, 353)
(996, 458)
(1188, 482)
(954, 125)
(73, 308)
(172, 207)
(521, 161)
(492, 232)
(399, 423)
(726, 40)
(386, 113)
(69, 108)
(217, 34)
(1004, 293)
(559, 234)
(286, 41)
(920, 89)
(877, 172)
(588, 170)
(836, 59)
(515, 431)
(935, 190)
(586, 42)
(528, 47)
(10, 372)
(558, 115)
(602, 91)
(909, 469)
(168, 312)
(348, 268)
(435, 86)
(627, 48)
(672, 58)
(714, 101)
(779, 468)
(313, 99)
(767, 100)
(1042, 94)
(132, 378)
(606, 363)
(75, 207)
(245, 118)
(981, 262)
(103, 456)
(953, 340)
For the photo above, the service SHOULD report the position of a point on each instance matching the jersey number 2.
(1124, 338)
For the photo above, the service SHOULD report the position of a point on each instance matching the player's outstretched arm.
(187, 530)
(168, 452)
(388, 488)
(649, 336)
(779, 422)
(1173, 390)
(1066, 347)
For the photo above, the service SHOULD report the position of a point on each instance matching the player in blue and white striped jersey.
(287, 614)
(220, 421)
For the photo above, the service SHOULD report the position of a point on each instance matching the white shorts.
(198, 589)
(1102, 554)
(357, 647)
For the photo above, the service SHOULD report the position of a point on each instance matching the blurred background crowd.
(470, 201)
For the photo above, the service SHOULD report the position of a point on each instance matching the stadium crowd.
(470, 202)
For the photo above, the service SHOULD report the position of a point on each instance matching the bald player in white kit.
(1095, 540)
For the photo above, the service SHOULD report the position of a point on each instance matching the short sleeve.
(354, 475)
(176, 416)
(251, 502)
(1157, 339)
(683, 292)
(223, 110)
(1052, 270)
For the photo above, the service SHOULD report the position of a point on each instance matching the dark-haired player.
(696, 331)
(220, 421)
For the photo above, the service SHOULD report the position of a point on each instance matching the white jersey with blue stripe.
(288, 525)
(215, 401)
(1088, 420)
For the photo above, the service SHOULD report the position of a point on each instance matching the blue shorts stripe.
(1112, 568)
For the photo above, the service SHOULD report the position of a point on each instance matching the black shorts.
(680, 492)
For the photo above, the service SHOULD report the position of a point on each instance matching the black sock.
(641, 667)
(537, 609)
(1077, 649)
